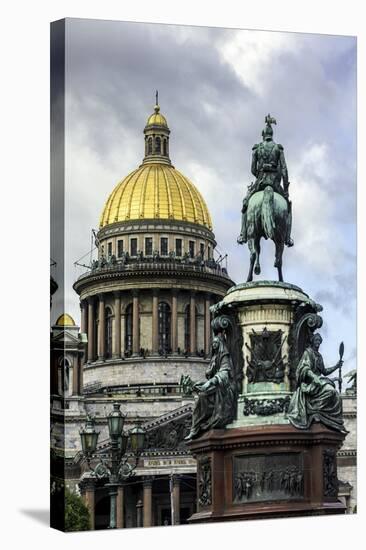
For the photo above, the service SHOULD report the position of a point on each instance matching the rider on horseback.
(269, 168)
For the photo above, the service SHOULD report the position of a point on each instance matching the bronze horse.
(269, 216)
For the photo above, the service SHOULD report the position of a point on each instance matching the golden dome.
(157, 119)
(65, 320)
(156, 191)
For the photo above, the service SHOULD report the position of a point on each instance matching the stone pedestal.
(266, 471)
(260, 465)
(273, 320)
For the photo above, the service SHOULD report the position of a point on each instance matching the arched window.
(157, 145)
(187, 327)
(149, 146)
(165, 148)
(108, 332)
(128, 329)
(164, 316)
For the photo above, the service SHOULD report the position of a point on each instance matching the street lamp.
(89, 438)
(115, 422)
(119, 468)
(137, 438)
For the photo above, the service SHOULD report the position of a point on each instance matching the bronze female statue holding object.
(316, 398)
(216, 403)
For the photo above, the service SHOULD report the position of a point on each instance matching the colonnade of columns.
(88, 323)
(88, 492)
(144, 506)
(174, 489)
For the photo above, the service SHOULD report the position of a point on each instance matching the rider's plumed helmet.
(267, 133)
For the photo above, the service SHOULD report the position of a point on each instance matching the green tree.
(77, 516)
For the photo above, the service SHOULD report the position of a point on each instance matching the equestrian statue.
(266, 210)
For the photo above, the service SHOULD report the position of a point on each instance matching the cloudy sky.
(215, 87)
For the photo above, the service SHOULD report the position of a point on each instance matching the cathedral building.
(145, 315)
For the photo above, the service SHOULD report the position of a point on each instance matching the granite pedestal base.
(265, 472)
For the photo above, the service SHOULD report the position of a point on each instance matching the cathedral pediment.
(167, 432)
(65, 338)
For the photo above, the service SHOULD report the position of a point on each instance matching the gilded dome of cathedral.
(156, 190)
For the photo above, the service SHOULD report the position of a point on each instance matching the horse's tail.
(268, 222)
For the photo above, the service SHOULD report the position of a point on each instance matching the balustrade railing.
(161, 264)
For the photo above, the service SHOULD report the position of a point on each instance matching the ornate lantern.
(137, 437)
(89, 437)
(115, 422)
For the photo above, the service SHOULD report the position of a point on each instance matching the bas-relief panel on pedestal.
(204, 482)
(330, 478)
(268, 477)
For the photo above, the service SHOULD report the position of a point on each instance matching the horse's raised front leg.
(252, 259)
(278, 260)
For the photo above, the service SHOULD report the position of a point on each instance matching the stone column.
(91, 322)
(192, 322)
(120, 507)
(147, 499)
(84, 326)
(123, 332)
(155, 321)
(174, 321)
(139, 506)
(207, 324)
(84, 316)
(81, 373)
(89, 499)
(135, 324)
(175, 499)
(101, 334)
(117, 324)
(75, 376)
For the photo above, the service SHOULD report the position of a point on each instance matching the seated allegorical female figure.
(216, 404)
(316, 398)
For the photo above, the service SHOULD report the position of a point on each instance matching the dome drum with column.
(146, 327)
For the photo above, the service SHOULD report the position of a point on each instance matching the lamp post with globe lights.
(120, 466)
